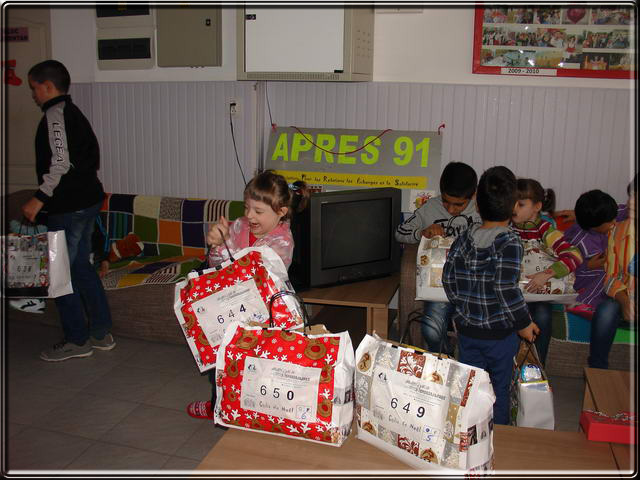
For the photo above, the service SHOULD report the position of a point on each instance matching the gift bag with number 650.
(239, 290)
(285, 382)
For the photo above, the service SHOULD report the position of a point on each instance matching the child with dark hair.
(449, 215)
(596, 213)
(480, 279)
(269, 202)
(529, 224)
(67, 163)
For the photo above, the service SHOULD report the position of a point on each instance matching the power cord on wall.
(235, 148)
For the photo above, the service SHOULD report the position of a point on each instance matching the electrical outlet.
(234, 107)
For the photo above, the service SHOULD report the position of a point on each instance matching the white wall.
(433, 46)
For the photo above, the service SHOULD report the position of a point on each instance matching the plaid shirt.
(482, 283)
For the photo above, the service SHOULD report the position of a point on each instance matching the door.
(27, 43)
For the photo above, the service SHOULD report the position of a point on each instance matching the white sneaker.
(31, 305)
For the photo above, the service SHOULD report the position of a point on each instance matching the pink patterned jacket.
(279, 239)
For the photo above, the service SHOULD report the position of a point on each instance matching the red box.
(602, 428)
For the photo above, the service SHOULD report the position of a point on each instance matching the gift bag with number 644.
(239, 290)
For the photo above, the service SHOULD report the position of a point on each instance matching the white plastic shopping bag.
(286, 382)
(531, 394)
(429, 411)
(36, 265)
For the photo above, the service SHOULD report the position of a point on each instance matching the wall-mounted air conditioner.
(322, 44)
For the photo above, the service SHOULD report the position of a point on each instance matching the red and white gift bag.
(239, 290)
(429, 412)
(285, 382)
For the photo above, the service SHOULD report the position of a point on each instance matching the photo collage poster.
(574, 38)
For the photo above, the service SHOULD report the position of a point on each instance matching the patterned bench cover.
(173, 231)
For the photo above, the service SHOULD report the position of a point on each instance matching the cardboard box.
(602, 428)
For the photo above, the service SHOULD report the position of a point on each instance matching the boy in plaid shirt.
(480, 278)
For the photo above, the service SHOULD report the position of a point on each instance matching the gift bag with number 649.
(429, 411)
(239, 290)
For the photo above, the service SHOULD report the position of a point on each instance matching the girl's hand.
(530, 333)
(596, 262)
(538, 280)
(213, 237)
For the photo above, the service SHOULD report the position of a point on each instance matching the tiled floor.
(125, 409)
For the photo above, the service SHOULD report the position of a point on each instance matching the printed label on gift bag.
(23, 268)
(280, 389)
(411, 406)
(241, 302)
(27, 261)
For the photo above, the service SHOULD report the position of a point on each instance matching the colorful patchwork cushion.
(172, 231)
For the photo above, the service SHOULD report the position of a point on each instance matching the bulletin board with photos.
(576, 41)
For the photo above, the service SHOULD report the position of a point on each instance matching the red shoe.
(200, 409)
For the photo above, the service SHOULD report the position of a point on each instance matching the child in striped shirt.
(529, 224)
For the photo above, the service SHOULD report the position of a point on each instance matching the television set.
(345, 236)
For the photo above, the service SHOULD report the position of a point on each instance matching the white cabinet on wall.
(330, 44)
(125, 37)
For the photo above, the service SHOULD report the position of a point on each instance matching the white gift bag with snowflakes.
(286, 382)
(429, 412)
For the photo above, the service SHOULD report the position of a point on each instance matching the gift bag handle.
(282, 293)
(416, 316)
(226, 246)
(535, 353)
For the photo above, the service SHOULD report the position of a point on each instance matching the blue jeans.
(496, 357)
(435, 322)
(88, 292)
(606, 319)
(541, 315)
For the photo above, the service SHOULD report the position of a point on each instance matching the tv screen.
(346, 236)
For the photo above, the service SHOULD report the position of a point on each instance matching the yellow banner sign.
(355, 180)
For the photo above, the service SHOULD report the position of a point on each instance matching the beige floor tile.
(160, 430)
(127, 382)
(15, 428)
(161, 357)
(181, 465)
(28, 401)
(181, 390)
(73, 374)
(202, 441)
(84, 415)
(108, 457)
(36, 449)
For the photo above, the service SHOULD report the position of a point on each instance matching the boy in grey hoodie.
(449, 214)
(480, 278)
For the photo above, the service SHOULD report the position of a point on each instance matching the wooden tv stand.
(368, 297)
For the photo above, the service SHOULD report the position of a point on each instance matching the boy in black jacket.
(67, 161)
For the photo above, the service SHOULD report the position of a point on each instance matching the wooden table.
(516, 449)
(370, 296)
(612, 392)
